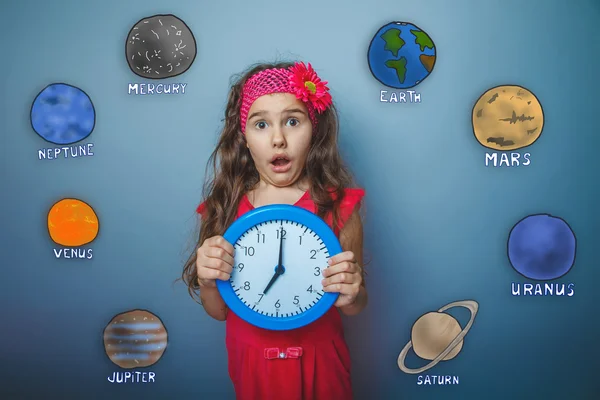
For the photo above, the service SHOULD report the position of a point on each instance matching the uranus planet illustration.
(542, 247)
(63, 114)
(437, 336)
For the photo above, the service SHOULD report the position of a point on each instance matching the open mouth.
(280, 161)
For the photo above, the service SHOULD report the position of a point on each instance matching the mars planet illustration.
(135, 339)
(72, 222)
(437, 336)
(507, 118)
(542, 247)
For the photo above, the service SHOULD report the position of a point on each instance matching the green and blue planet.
(401, 55)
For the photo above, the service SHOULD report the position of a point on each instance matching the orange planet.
(72, 222)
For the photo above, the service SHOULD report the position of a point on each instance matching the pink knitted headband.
(299, 79)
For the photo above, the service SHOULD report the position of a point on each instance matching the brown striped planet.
(135, 339)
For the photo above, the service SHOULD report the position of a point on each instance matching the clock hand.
(279, 270)
(272, 281)
(280, 265)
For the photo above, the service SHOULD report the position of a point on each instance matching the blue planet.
(401, 55)
(63, 114)
(542, 247)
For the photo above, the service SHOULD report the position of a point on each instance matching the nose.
(278, 138)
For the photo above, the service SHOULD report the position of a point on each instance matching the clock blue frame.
(283, 212)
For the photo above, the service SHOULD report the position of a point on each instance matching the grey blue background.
(436, 222)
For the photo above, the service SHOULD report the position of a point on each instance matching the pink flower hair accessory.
(308, 87)
(299, 80)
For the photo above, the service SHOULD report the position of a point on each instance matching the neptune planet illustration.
(542, 247)
(63, 114)
(401, 55)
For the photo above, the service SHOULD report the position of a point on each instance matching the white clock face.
(298, 288)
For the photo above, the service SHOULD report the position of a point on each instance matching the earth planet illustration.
(401, 55)
(542, 247)
(437, 336)
(507, 118)
(63, 114)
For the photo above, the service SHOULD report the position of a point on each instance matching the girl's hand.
(343, 276)
(214, 261)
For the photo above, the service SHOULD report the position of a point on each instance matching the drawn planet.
(542, 247)
(63, 114)
(72, 223)
(437, 336)
(507, 118)
(161, 46)
(401, 55)
(135, 339)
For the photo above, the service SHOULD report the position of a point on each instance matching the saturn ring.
(473, 307)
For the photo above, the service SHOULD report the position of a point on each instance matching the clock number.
(240, 267)
(314, 253)
(310, 289)
(249, 251)
(261, 237)
(277, 304)
(300, 239)
(296, 300)
(261, 296)
(317, 271)
(246, 285)
(282, 231)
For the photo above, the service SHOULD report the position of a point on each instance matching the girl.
(279, 146)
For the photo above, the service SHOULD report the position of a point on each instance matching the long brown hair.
(234, 172)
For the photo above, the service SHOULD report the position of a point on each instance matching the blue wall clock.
(280, 253)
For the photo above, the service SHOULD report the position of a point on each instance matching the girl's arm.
(213, 303)
(351, 239)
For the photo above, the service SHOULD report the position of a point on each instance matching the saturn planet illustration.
(437, 336)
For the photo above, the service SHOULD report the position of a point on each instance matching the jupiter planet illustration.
(135, 339)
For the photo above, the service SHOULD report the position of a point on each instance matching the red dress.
(309, 363)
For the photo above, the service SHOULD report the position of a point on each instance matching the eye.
(261, 125)
(293, 122)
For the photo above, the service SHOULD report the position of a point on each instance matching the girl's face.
(279, 134)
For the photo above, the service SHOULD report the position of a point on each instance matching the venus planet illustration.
(135, 339)
(437, 336)
(507, 118)
(72, 222)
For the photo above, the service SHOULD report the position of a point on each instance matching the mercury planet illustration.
(507, 118)
(161, 46)
(135, 339)
(437, 336)
(72, 223)
(542, 247)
